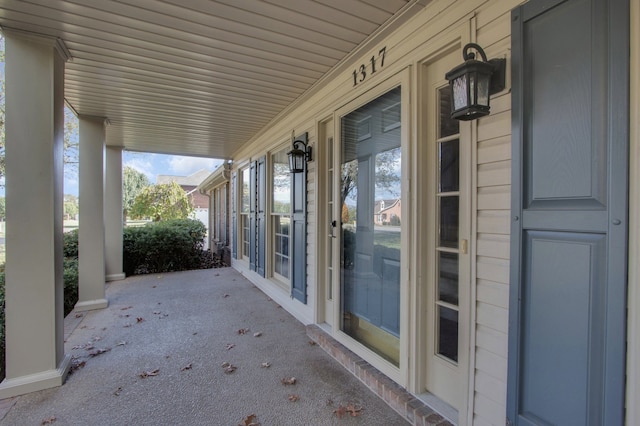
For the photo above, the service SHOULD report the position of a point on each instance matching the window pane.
(449, 221)
(244, 208)
(448, 277)
(448, 333)
(449, 126)
(281, 245)
(449, 162)
(281, 200)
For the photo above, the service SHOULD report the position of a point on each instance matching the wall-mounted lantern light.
(299, 157)
(473, 82)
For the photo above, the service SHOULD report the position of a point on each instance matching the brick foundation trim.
(403, 402)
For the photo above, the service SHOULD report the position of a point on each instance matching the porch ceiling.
(198, 77)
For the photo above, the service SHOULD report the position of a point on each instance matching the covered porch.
(157, 355)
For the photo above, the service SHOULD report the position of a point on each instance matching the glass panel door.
(371, 214)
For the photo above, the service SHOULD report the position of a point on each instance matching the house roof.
(196, 77)
(193, 179)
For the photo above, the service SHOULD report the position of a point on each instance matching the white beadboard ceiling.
(199, 77)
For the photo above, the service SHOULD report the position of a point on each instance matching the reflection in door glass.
(371, 219)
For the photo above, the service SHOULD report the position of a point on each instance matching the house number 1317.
(360, 74)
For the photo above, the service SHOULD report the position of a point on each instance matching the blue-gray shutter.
(252, 215)
(567, 305)
(299, 232)
(261, 207)
(234, 215)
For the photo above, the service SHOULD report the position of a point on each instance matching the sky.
(153, 165)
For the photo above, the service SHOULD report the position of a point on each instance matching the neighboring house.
(216, 188)
(199, 200)
(510, 291)
(387, 212)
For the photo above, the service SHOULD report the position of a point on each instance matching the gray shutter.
(234, 215)
(569, 207)
(261, 207)
(252, 216)
(299, 233)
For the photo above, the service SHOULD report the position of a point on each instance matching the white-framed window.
(245, 201)
(281, 215)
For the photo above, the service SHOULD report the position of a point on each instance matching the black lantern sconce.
(473, 82)
(299, 157)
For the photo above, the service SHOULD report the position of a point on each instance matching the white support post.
(113, 220)
(34, 312)
(91, 237)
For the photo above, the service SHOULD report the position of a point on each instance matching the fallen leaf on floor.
(139, 319)
(293, 398)
(354, 410)
(228, 367)
(194, 333)
(312, 343)
(340, 411)
(75, 365)
(258, 334)
(117, 391)
(124, 316)
(104, 329)
(122, 343)
(186, 367)
(225, 296)
(146, 374)
(243, 331)
(265, 365)
(49, 420)
(250, 420)
(99, 351)
(88, 347)
(157, 312)
(288, 381)
(124, 309)
(329, 401)
(153, 286)
(127, 325)
(230, 346)
(79, 315)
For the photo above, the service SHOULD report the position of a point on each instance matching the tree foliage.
(162, 202)
(71, 207)
(133, 183)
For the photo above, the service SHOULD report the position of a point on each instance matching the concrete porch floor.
(186, 325)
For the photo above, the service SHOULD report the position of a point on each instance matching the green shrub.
(70, 278)
(172, 245)
(71, 244)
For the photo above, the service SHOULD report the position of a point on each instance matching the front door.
(569, 212)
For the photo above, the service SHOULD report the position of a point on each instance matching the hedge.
(172, 245)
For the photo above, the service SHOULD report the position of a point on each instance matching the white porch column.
(113, 220)
(91, 237)
(34, 321)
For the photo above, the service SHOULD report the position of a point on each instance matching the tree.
(133, 183)
(162, 202)
(3, 211)
(70, 206)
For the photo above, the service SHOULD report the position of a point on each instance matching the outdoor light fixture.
(473, 82)
(299, 157)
